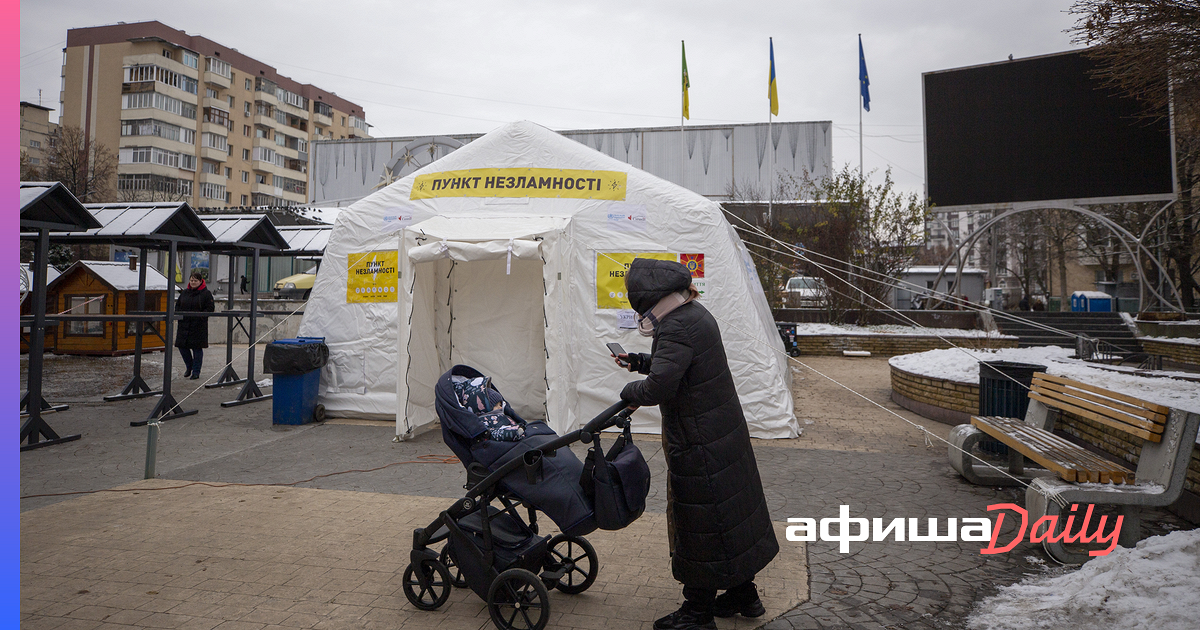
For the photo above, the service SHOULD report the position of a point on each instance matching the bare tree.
(1150, 49)
(29, 171)
(865, 229)
(86, 167)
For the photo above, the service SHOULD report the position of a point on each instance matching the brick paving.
(341, 541)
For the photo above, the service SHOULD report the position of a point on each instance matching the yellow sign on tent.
(610, 276)
(522, 182)
(372, 277)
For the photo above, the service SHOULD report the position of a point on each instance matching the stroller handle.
(607, 418)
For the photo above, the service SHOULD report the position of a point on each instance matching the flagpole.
(770, 148)
(682, 101)
(861, 175)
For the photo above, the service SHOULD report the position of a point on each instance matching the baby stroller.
(490, 548)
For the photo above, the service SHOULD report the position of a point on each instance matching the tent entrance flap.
(487, 314)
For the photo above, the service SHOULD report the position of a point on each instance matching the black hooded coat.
(721, 528)
(192, 332)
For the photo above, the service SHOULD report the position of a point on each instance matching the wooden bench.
(1167, 436)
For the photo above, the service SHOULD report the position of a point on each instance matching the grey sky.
(441, 67)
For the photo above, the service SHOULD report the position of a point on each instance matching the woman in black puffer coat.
(192, 335)
(720, 529)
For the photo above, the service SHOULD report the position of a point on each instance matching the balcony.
(212, 178)
(216, 80)
(216, 155)
(266, 189)
(322, 119)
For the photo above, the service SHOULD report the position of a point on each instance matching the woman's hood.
(649, 280)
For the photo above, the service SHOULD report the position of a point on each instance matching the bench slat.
(1108, 403)
(1154, 407)
(1145, 435)
(1066, 459)
(1097, 469)
(1057, 393)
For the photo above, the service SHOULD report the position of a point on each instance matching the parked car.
(293, 287)
(805, 292)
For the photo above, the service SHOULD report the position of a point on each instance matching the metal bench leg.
(1131, 526)
(962, 438)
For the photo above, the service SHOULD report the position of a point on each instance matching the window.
(245, 200)
(324, 109)
(246, 130)
(259, 178)
(148, 328)
(246, 107)
(187, 162)
(212, 168)
(167, 53)
(212, 191)
(191, 59)
(155, 100)
(214, 141)
(34, 144)
(246, 154)
(245, 180)
(34, 161)
(217, 117)
(216, 66)
(230, 102)
(85, 305)
(211, 93)
(228, 172)
(249, 86)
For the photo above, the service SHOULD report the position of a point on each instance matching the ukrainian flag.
(771, 92)
(686, 84)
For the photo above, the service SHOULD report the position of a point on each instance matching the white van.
(805, 292)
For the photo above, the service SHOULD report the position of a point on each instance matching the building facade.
(38, 134)
(196, 121)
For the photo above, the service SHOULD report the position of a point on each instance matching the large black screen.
(1038, 129)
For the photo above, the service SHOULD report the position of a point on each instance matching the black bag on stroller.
(616, 483)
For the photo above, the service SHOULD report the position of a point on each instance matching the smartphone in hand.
(617, 351)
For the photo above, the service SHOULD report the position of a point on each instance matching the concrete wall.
(891, 345)
(289, 324)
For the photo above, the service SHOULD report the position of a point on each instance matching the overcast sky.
(463, 67)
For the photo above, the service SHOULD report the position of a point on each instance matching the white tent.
(507, 255)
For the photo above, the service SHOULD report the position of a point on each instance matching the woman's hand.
(631, 362)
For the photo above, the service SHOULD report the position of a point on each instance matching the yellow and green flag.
(686, 84)
(771, 92)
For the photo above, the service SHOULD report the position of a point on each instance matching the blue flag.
(863, 81)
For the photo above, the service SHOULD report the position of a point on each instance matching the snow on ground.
(1181, 340)
(892, 329)
(962, 365)
(1155, 586)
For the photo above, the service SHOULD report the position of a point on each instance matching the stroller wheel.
(429, 587)
(578, 557)
(517, 600)
(456, 576)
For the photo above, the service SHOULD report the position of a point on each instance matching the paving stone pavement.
(853, 453)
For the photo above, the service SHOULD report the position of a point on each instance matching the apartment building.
(193, 120)
(38, 134)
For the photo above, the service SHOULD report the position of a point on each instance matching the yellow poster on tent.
(522, 182)
(610, 276)
(372, 277)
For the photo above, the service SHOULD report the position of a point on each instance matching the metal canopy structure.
(45, 207)
(160, 225)
(305, 240)
(242, 234)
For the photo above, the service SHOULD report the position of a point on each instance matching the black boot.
(688, 617)
(195, 369)
(740, 600)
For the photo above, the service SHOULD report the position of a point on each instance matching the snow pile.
(1155, 586)
(892, 329)
(962, 365)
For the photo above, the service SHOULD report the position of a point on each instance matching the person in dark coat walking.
(192, 335)
(717, 520)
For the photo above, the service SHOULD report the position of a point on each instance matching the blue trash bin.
(295, 367)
